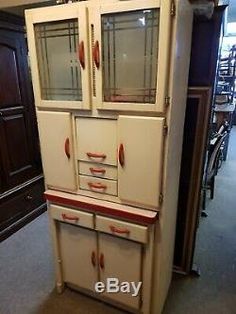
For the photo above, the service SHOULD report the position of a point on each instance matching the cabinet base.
(106, 300)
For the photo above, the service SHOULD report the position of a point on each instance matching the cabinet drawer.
(97, 140)
(75, 217)
(97, 170)
(122, 229)
(98, 185)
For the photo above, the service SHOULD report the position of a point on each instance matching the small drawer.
(74, 217)
(98, 185)
(97, 140)
(98, 170)
(122, 229)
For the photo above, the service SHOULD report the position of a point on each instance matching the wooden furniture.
(21, 180)
(203, 63)
(110, 122)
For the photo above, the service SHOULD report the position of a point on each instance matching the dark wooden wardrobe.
(21, 180)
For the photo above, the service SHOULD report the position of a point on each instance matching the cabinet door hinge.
(173, 9)
(165, 130)
(167, 101)
(161, 198)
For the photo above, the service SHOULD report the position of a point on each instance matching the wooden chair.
(212, 169)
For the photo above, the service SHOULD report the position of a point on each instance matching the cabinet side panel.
(165, 229)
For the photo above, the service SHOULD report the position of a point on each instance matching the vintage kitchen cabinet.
(110, 81)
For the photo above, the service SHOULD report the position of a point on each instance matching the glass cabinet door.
(61, 57)
(126, 55)
(59, 70)
(129, 45)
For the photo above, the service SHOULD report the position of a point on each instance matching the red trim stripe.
(101, 209)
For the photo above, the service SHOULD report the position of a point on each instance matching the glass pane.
(130, 46)
(59, 70)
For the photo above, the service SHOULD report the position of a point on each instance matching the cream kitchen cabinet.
(110, 84)
(56, 140)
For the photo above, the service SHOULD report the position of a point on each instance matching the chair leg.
(204, 199)
(212, 187)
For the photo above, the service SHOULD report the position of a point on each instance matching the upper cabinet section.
(113, 55)
(129, 69)
(58, 43)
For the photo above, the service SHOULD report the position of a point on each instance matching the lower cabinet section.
(103, 249)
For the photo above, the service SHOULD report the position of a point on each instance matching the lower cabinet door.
(121, 259)
(78, 249)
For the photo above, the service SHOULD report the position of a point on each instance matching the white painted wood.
(145, 213)
(97, 136)
(122, 260)
(51, 14)
(163, 52)
(93, 184)
(165, 229)
(54, 129)
(92, 169)
(71, 216)
(56, 250)
(147, 255)
(77, 246)
(139, 180)
(132, 231)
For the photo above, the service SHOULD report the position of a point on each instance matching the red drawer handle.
(81, 54)
(67, 147)
(95, 170)
(95, 155)
(65, 217)
(120, 231)
(99, 186)
(121, 155)
(93, 259)
(96, 54)
(102, 261)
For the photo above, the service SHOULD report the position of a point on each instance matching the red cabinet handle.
(121, 155)
(96, 54)
(94, 155)
(102, 261)
(67, 147)
(118, 230)
(99, 186)
(95, 170)
(81, 54)
(93, 259)
(66, 217)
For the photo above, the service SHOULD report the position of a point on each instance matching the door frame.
(190, 213)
